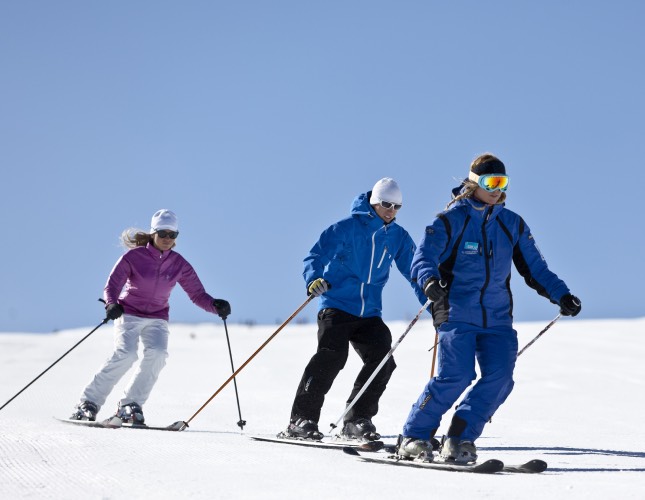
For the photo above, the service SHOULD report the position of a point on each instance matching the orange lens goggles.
(493, 182)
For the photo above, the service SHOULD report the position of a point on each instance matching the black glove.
(113, 311)
(435, 289)
(223, 308)
(570, 305)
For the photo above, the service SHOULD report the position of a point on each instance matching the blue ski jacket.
(471, 247)
(354, 255)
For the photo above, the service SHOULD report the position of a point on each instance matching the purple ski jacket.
(143, 278)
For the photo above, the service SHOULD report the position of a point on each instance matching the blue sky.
(258, 122)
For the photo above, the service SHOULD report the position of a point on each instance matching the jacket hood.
(361, 205)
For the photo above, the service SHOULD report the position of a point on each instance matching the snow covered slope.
(578, 404)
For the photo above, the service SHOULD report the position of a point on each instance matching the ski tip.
(536, 465)
(178, 426)
(351, 451)
(488, 467)
(371, 446)
(112, 422)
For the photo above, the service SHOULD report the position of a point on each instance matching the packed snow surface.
(578, 404)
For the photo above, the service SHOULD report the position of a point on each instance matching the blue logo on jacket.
(471, 248)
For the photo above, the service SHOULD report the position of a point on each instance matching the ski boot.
(461, 452)
(414, 449)
(361, 429)
(85, 410)
(301, 428)
(130, 413)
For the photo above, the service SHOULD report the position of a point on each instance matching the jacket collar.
(361, 207)
(156, 253)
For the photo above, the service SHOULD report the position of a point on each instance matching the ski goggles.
(490, 182)
(168, 234)
(387, 205)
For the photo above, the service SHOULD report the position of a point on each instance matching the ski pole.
(539, 334)
(434, 354)
(182, 424)
(381, 364)
(52, 365)
(241, 423)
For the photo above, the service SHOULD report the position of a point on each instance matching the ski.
(531, 467)
(369, 446)
(115, 423)
(488, 467)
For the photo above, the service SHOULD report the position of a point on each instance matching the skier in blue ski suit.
(464, 265)
(348, 268)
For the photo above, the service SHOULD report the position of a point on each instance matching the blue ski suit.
(471, 246)
(354, 255)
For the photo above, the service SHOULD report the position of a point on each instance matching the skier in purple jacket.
(136, 297)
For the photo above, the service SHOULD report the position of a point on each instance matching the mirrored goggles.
(168, 234)
(387, 205)
(491, 182)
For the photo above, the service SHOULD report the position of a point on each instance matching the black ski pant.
(370, 338)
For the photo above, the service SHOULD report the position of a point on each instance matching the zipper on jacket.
(380, 262)
(487, 255)
(369, 275)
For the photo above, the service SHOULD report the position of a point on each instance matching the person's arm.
(193, 287)
(319, 255)
(116, 281)
(425, 263)
(403, 260)
(533, 267)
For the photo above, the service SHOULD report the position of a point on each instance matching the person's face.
(162, 240)
(488, 197)
(386, 214)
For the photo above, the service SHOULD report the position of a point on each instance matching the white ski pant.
(127, 331)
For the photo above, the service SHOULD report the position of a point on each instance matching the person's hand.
(223, 308)
(570, 305)
(317, 287)
(435, 289)
(113, 311)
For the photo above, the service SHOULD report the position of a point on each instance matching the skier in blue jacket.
(464, 266)
(348, 268)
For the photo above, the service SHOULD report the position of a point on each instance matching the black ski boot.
(362, 429)
(301, 428)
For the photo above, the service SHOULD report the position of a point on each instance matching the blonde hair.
(133, 237)
(468, 191)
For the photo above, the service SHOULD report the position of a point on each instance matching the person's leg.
(330, 358)
(372, 341)
(126, 342)
(496, 355)
(154, 337)
(455, 372)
